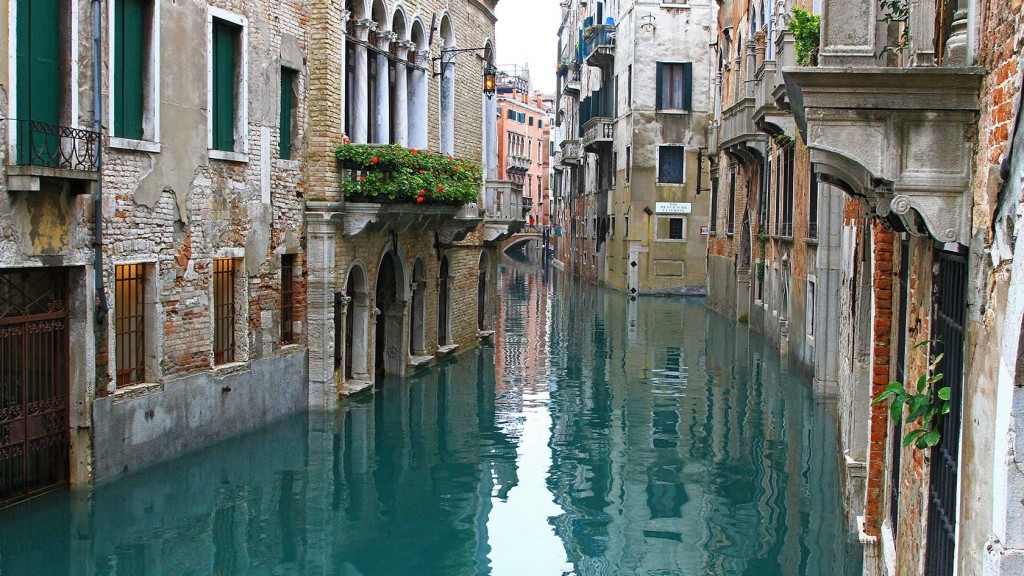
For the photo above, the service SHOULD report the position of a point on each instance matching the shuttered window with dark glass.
(130, 46)
(225, 56)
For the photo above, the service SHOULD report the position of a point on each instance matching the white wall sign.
(673, 207)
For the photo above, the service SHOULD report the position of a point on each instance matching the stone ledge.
(134, 391)
(419, 361)
(353, 387)
(485, 335)
(222, 370)
(447, 350)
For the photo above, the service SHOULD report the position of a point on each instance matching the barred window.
(129, 324)
(287, 298)
(223, 310)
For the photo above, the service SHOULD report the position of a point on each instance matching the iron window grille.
(129, 324)
(223, 310)
(287, 299)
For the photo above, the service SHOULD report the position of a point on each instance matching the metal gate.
(34, 438)
(950, 305)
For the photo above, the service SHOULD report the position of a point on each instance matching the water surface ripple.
(598, 436)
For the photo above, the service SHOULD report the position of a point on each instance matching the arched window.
(355, 317)
(482, 312)
(447, 90)
(417, 341)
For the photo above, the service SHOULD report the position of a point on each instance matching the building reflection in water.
(598, 436)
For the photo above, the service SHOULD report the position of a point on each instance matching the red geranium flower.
(422, 191)
(412, 151)
(345, 139)
(421, 171)
(419, 200)
(440, 189)
(373, 160)
(362, 178)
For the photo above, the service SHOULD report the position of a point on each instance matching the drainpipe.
(97, 113)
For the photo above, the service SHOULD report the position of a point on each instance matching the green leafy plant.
(393, 174)
(589, 32)
(760, 271)
(925, 407)
(896, 11)
(806, 29)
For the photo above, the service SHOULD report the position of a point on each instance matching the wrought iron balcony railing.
(52, 146)
(600, 46)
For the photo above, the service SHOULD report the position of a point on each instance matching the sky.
(527, 33)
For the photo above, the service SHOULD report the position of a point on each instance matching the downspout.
(97, 105)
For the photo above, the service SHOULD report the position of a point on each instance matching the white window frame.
(657, 166)
(154, 322)
(241, 293)
(152, 103)
(811, 302)
(668, 222)
(241, 154)
(12, 73)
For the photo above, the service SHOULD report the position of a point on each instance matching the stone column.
(418, 105)
(491, 136)
(346, 106)
(401, 110)
(321, 230)
(956, 46)
(339, 376)
(448, 107)
(360, 92)
(850, 34)
(922, 28)
(381, 132)
(361, 345)
(751, 68)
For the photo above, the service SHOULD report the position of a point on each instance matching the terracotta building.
(523, 142)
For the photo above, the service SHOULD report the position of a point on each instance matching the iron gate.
(949, 307)
(34, 438)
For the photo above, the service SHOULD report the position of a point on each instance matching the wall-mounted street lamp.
(490, 72)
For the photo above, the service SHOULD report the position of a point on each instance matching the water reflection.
(619, 437)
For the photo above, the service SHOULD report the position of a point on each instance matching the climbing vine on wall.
(925, 407)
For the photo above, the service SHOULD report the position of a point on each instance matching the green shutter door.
(287, 79)
(39, 77)
(688, 86)
(658, 85)
(224, 35)
(129, 50)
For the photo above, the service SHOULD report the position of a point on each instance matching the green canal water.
(597, 436)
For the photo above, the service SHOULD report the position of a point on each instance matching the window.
(809, 313)
(129, 324)
(540, 123)
(731, 222)
(787, 189)
(531, 120)
(714, 204)
(223, 310)
(134, 92)
(629, 162)
(287, 298)
(511, 114)
(670, 164)
(674, 85)
(812, 210)
(629, 85)
(289, 112)
(615, 166)
(671, 228)
(228, 101)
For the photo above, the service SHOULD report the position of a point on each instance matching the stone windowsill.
(447, 350)
(288, 164)
(126, 393)
(289, 349)
(811, 241)
(418, 361)
(353, 387)
(222, 370)
(135, 145)
(240, 157)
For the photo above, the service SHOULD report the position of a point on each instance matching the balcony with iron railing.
(50, 151)
(598, 133)
(599, 45)
(571, 152)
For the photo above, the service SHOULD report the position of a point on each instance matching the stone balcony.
(598, 133)
(600, 48)
(739, 135)
(771, 105)
(901, 137)
(517, 164)
(357, 218)
(571, 152)
(504, 210)
(41, 152)
(571, 88)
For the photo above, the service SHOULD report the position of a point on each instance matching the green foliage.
(806, 29)
(395, 174)
(924, 407)
(744, 319)
(896, 11)
(760, 271)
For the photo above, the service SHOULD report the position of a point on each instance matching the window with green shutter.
(288, 106)
(674, 86)
(130, 46)
(225, 56)
(40, 82)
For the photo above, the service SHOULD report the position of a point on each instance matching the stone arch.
(379, 13)
(353, 324)
(483, 320)
(417, 35)
(399, 24)
(390, 299)
(444, 302)
(418, 313)
(448, 42)
(356, 8)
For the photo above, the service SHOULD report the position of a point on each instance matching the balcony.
(771, 106)
(44, 151)
(517, 164)
(740, 138)
(598, 133)
(504, 213)
(599, 47)
(571, 152)
(903, 138)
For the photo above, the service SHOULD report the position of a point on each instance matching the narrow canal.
(598, 436)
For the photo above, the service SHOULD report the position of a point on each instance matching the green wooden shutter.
(39, 78)
(687, 85)
(287, 82)
(129, 52)
(658, 104)
(224, 38)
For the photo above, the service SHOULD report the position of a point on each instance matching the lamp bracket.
(448, 56)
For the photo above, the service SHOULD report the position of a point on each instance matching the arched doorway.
(355, 319)
(481, 294)
(443, 303)
(390, 344)
(417, 324)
